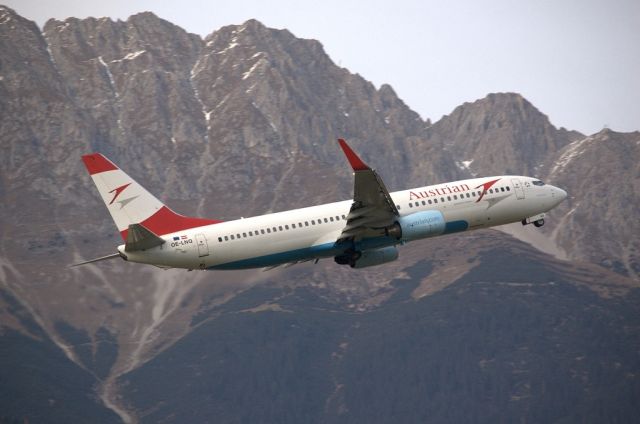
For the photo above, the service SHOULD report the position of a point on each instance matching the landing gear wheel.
(539, 223)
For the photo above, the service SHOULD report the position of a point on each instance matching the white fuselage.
(311, 233)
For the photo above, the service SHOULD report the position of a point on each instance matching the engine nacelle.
(418, 225)
(376, 257)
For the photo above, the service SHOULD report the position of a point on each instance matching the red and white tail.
(129, 203)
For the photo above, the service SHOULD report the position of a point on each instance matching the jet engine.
(376, 257)
(417, 225)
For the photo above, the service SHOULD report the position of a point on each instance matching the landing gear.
(537, 220)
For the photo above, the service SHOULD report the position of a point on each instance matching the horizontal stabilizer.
(140, 238)
(103, 258)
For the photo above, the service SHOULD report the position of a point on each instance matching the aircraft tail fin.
(131, 204)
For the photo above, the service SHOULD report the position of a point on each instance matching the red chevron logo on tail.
(117, 191)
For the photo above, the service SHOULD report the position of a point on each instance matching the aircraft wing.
(372, 209)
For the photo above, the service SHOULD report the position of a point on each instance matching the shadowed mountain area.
(475, 327)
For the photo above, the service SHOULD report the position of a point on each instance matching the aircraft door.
(517, 187)
(203, 246)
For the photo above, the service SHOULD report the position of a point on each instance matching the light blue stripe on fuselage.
(325, 250)
(306, 253)
(455, 226)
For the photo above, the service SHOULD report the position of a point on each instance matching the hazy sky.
(578, 61)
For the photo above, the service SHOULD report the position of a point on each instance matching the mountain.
(501, 134)
(602, 171)
(244, 122)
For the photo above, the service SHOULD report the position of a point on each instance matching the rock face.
(598, 221)
(501, 134)
(240, 123)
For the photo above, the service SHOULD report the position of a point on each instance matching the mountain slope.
(597, 224)
(39, 383)
(513, 339)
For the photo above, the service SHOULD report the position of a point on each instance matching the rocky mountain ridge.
(501, 134)
(244, 122)
(611, 188)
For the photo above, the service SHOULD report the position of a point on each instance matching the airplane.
(361, 232)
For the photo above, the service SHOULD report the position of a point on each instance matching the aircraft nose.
(560, 194)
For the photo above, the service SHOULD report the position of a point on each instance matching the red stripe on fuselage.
(166, 221)
(96, 163)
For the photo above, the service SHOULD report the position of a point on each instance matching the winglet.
(356, 163)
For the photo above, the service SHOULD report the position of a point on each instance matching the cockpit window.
(537, 182)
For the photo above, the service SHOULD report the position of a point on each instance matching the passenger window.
(250, 233)
(306, 223)
(293, 225)
(313, 222)
(226, 238)
(473, 193)
(508, 188)
(501, 188)
(337, 218)
(442, 200)
(269, 230)
(326, 220)
(261, 231)
(435, 200)
(232, 237)
(220, 239)
(424, 203)
(331, 218)
(244, 235)
(238, 235)
(455, 197)
(280, 227)
(449, 198)
(410, 204)
(430, 201)
(468, 195)
(274, 229)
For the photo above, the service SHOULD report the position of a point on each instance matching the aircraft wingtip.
(354, 160)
